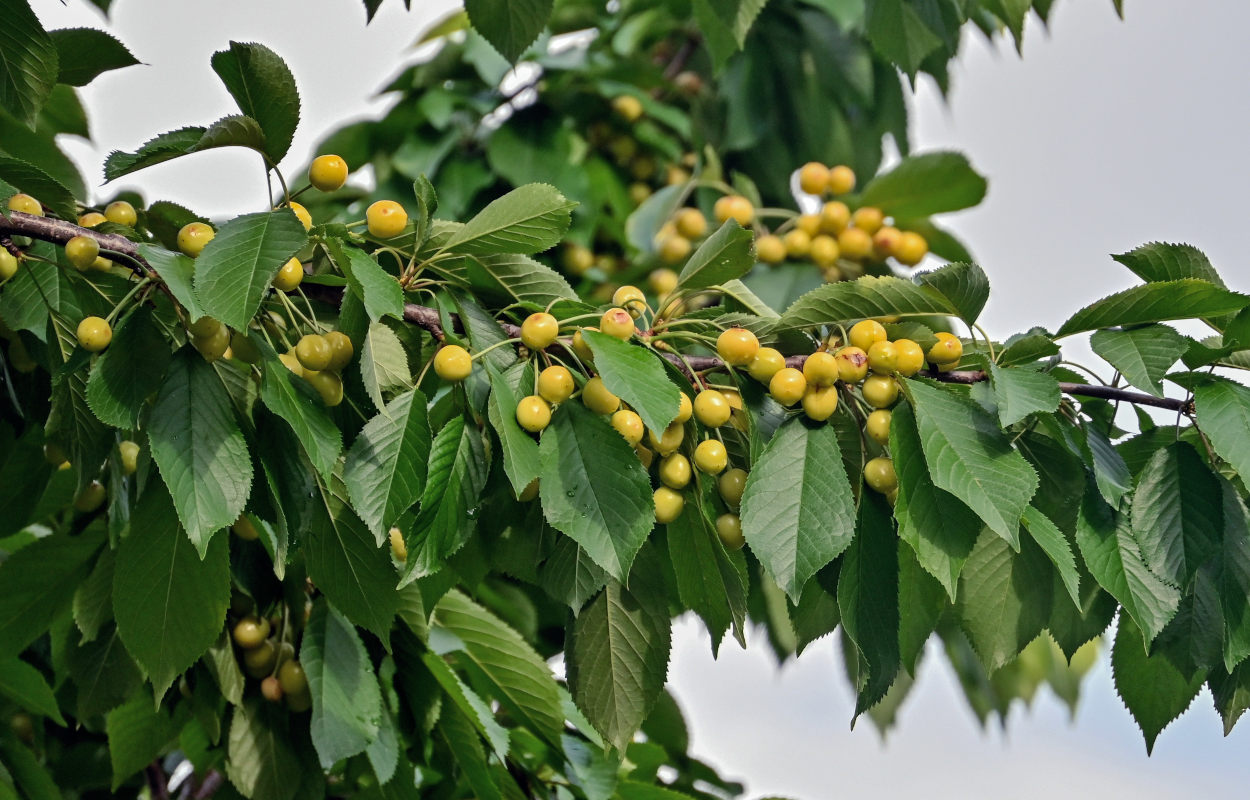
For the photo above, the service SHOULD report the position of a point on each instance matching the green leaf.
(869, 296)
(518, 279)
(1142, 355)
(1053, 542)
(969, 456)
(232, 131)
(383, 364)
(1110, 472)
(527, 220)
(28, 63)
(292, 399)
(84, 53)
(899, 33)
(345, 562)
(377, 289)
(1004, 598)
(644, 224)
(1224, 416)
(129, 372)
(726, 255)
(26, 177)
(940, 528)
(239, 264)
(637, 376)
(1233, 577)
(23, 478)
(385, 469)
(199, 448)
(520, 452)
(104, 673)
(1159, 261)
(963, 284)
(93, 600)
(617, 652)
(23, 768)
(1176, 513)
(169, 600)
(346, 701)
(522, 680)
(594, 489)
(1187, 298)
(920, 186)
(570, 575)
(176, 271)
(1024, 348)
(868, 601)
(264, 89)
(921, 603)
(466, 748)
(39, 582)
(1113, 557)
(798, 513)
(138, 732)
(1154, 691)
(24, 685)
(261, 762)
(711, 581)
(511, 26)
(1021, 392)
(476, 710)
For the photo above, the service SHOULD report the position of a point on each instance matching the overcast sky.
(1107, 134)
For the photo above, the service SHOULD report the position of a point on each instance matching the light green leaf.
(1142, 355)
(617, 652)
(23, 684)
(385, 468)
(868, 601)
(1224, 415)
(383, 364)
(199, 448)
(1004, 598)
(970, 457)
(1187, 298)
(520, 451)
(177, 271)
(346, 701)
(798, 513)
(28, 63)
(84, 53)
(264, 89)
(476, 710)
(923, 185)
(869, 296)
(239, 264)
(378, 290)
(1176, 517)
(511, 26)
(517, 279)
(39, 582)
(1154, 691)
(170, 602)
(129, 372)
(1021, 392)
(644, 224)
(594, 489)
(261, 762)
(728, 254)
(527, 220)
(637, 376)
(138, 732)
(1052, 541)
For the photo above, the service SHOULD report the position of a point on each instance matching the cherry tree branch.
(59, 231)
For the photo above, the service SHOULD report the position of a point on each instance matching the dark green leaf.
(232, 131)
(964, 285)
(28, 62)
(385, 469)
(84, 53)
(39, 582)
(869, 296)
(129, 372)
(1153, 690)
(261, 761)
(32, 180)
(1023, 348)
(1176, 516)
(923, 185)
(292, 399)
(527, 220)
(1224, 415)
(378, 290)
(1021, 392)
(264, 89)
(868, 601)
(1159, 261)
(23, 684)
(138, 732)
(710, 581)
(1142, 355)
(510, 25)
(1187, 298)
(1004, 598)
(726, 255)
(518, 279)
(241, 261)
(1053, 542)
(520, 451)
(637, 376)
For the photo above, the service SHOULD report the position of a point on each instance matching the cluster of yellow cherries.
(281, 675)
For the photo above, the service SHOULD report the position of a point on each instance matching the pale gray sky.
(1106, 135)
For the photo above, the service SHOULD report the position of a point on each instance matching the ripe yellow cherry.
(824, 251)
(313, 352)
(948, 349)
(798, 243)
(675, 471)
(910, 357)
(577, 259)
(25, 204)
(8, 264)
(94, 334)
(539, 330)
(770, 249)
(668, 441)
(91, 219)
(301, 214)
(685, 409)
(328, 172)
(885, 241)
(883, 357)
(787, 386)
(880, 391)
(341, 350)
(711, 457)
(852, 364)
(119, 212)
(193, 236)
(819, 402)
(662, 281)
(868, 219)
(213, 346)
(674, 249)
(244, 529)
(453, 363)
(841, 179)
(814, 178)
(627, 107)
(128, 452)
(911, 249)
(555, 384)
(618, 323)
(712, 408)
(668, 505)
(735, 207)
(631, 299)
(877, 426)
(639, 192)
(386, 219)
(737, 347)
(820, 369)
(865, 333)
(834, 217)
(945, 366)
(291, 362)
(290, 276)
(808, 223)
(250, 632)
(533, 413)
(731, 484)
(81, 252)
(328, 384)
(855, 244)
(880, 476)
(597, 398)
(628, 425)
(767, 362)
(690, 223)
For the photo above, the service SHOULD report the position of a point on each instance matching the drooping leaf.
(39, 582)
(1142, 355)
(637, 376)
(84, 53)
(509, 25)
(26, 177)
(520, 451)
(1224, 414)
(899, 33)
(28, 63)
(261, 762)
(385, 468)
(1186, 298)
(1053, 542)
(292, 399)
(264, 89)
(23, 684)
(1021, 392)
(870, 296)
(728, 254)
(346, 701)
(104, 673)
(231, 131)
(138, 732)
(525, 221)
(868, 601)
(798, 513)
(923, 185)
(710, 581)
(1153, 690)
(1004, 598)
(239, 264)
(1176, 513)
(129, 372)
